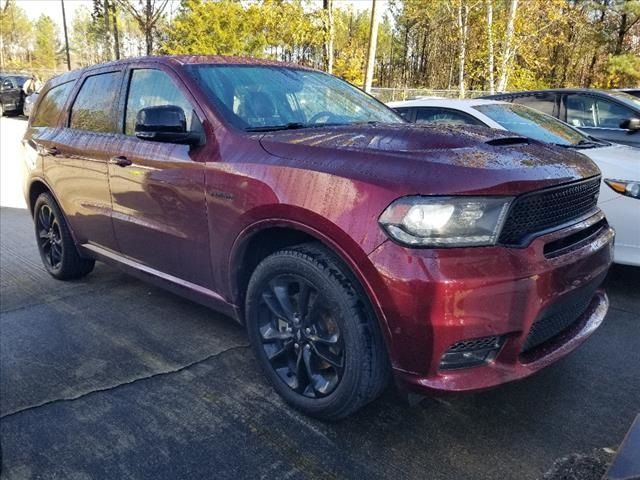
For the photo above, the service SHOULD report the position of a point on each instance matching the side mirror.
(631, 124)
(165, 123)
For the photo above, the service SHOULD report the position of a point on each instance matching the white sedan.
(620, 165)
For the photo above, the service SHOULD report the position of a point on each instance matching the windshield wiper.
(272, 128)
(586, 144)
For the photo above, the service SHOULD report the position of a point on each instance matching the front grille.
(544, 210)
(561, 316)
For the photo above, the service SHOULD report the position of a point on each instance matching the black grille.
(475, 344)
(534, 213)
(561, 316)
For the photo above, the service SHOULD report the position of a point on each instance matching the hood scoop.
(505, 141)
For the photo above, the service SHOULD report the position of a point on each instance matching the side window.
(153, 88)
(610, 114)
(95, 103)
(581, 110)
(544, 102)
(444, 116)
(50, 105)
(7, 84)
(403, 112)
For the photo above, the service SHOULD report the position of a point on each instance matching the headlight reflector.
(445, 221)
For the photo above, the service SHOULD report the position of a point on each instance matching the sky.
(35, 8)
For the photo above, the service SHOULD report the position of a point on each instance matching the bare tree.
(146, 14)
(328, 8)
(492, 83)
(373, 40)
(463, 27)
(507, 48)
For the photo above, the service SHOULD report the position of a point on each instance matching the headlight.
(445, 221)
(624, 187)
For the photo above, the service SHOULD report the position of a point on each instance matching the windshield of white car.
(537, 125)
(259, 98)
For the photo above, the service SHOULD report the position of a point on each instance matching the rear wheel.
(55, 244)
(313, 333)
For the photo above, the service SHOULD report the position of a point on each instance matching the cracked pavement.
(110, 378)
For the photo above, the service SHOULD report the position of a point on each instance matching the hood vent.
(504, 141)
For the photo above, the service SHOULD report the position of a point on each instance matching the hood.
(439, 159)
(616, 161)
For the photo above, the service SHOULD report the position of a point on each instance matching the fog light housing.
(471, 353)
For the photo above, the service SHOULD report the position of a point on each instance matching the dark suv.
(607, 114)
(11, 94)
(351, 244)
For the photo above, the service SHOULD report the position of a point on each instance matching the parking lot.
(110, 378)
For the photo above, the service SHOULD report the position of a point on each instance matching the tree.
(147, 13)
(507, 46)
(15, 36)
(47, 46)
(490, 57)
(327, 6)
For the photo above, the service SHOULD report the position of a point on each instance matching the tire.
(55, 244)
(326, 359)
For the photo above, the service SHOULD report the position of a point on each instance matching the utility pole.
(371, 57)
(66, 37)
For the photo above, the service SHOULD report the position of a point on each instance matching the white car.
(620, 164)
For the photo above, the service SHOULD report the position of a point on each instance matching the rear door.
(158, 194)
(77, 165)
(11, 94)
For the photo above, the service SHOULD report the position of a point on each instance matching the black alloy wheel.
(301, 339)
(49, 236)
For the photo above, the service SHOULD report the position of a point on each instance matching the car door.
(157, 189)
(600, 118)
(79, 154)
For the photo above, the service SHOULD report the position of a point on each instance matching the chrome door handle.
(121, 161)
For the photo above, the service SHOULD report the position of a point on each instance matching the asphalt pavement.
(110, 378)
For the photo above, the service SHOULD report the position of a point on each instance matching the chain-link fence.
(393, 94)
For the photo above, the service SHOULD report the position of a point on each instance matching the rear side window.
(94, 106)
(153, 88)
(544, 102)
(51, 105)
(444, 116)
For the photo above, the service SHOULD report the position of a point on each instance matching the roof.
(448, 102)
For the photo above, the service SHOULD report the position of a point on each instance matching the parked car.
(29, 102)
(349, 243)
(620, 164)
(605, 114)
(11, 94)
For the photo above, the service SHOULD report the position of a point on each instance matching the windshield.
(263, 98)
(533, 124)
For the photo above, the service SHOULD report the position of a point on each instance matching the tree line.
(489, 45)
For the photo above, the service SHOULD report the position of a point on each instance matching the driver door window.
(153, 88)
(586, 111)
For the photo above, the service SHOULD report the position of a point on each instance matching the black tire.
(55, 244)
(340, 362)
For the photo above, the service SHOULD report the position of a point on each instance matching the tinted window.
(94, 106)
(544, 102)
(442, 115)
(587, 111)
(51, 105)
(7, 84)
(152, 88)
(404, 112)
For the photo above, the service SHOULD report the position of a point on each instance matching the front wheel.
(313, 333)
(55, 244)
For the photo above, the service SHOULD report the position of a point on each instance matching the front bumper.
(433, 298)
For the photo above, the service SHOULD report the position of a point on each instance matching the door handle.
(120, 160)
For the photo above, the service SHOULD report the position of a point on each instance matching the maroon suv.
(352, 245)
